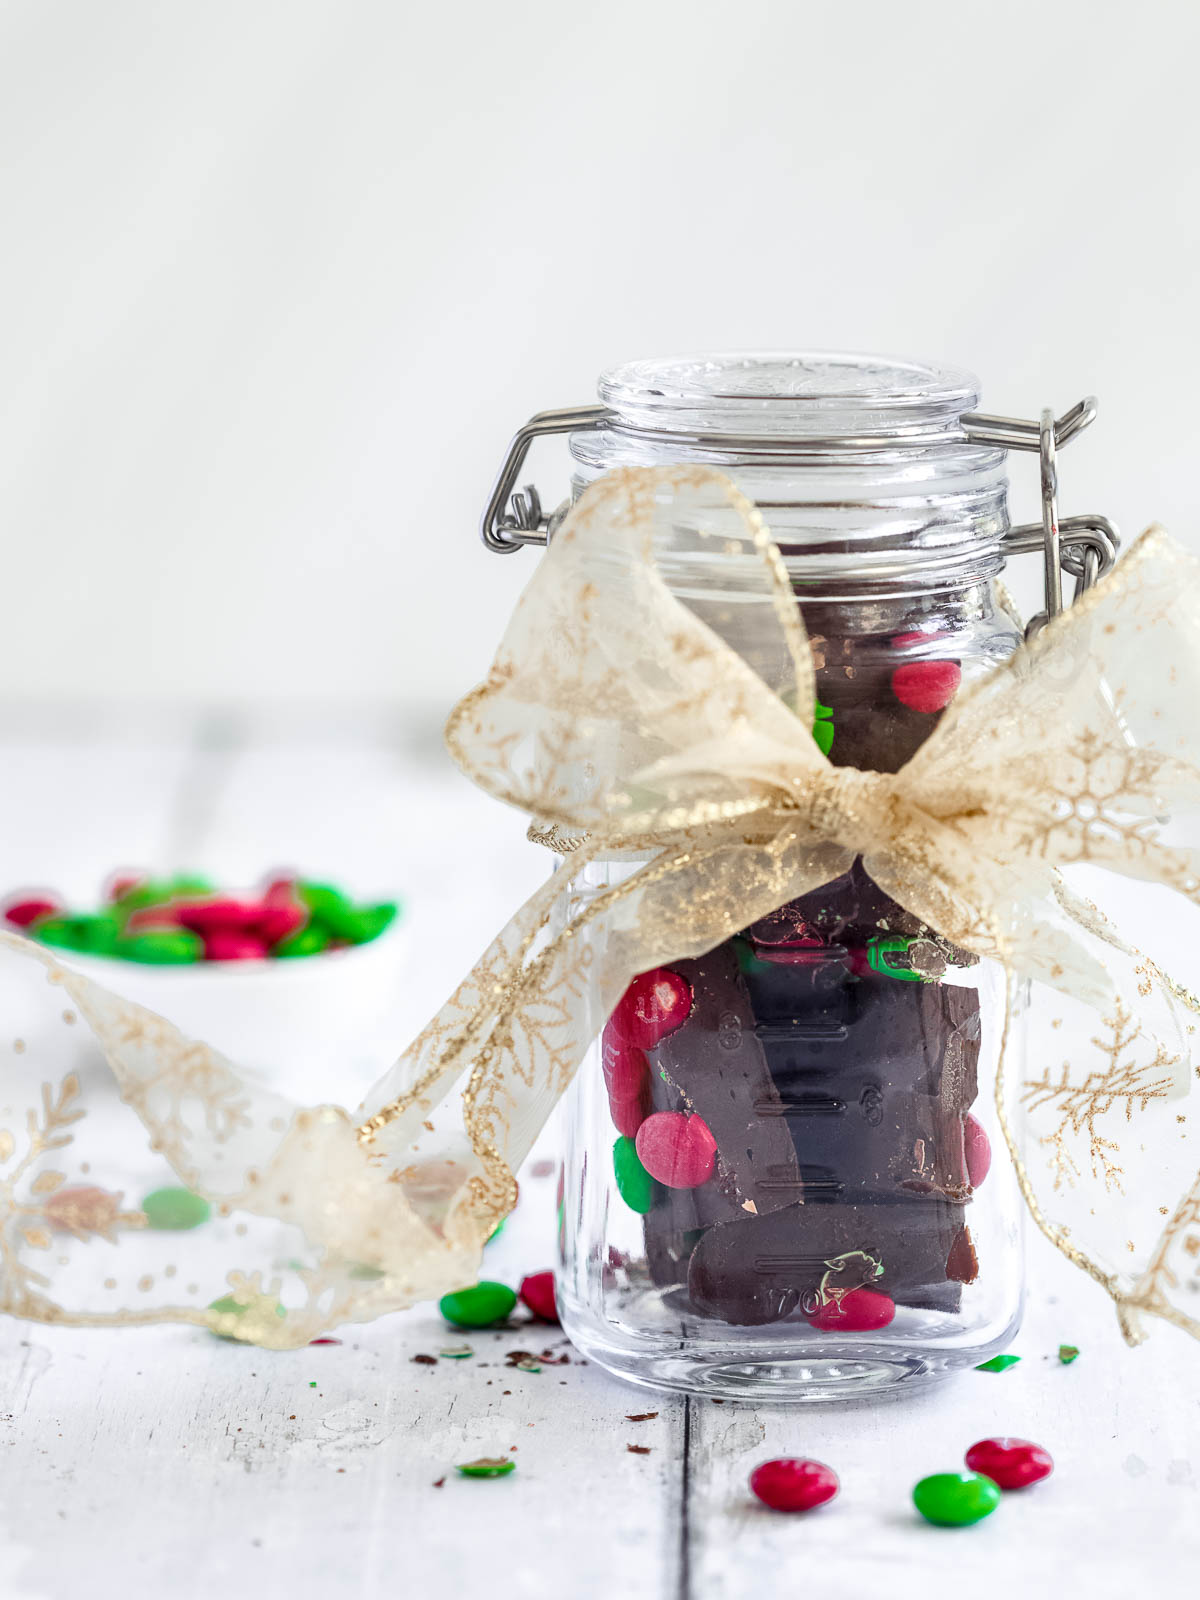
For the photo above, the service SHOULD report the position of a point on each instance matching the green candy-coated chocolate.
(187, 884)
(308, 941)
(150, 892)
(161, 947)
(634, 1183)
(175, 1209)
(998, 1364)
(1068, 1353)
(229, 1305)
(326, 905)
(479, 1306)
(362, 924)
(487, 1467)
(95, 936)
(955, 1499)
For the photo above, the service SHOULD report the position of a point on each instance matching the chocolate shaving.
(638, 1449)
(426, 1361)
(641, 1416)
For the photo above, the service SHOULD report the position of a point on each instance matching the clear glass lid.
(801, 396)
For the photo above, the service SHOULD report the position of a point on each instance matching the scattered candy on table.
(175, 1209)
(998, 1364)
(487, 1467)
(537, 1292)
(181, 920)
(955, 1499)
(1012, 1463)
(794, 1484)
(478, 1306)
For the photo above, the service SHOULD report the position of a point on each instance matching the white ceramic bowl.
(315, 1027)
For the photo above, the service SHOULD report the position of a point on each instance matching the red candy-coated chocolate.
(794, 1484)
(537, 1292)
(678, 1150)
(24, 912)
(654, 1005)
(206, 916)
(926, 685)
(859, 1312)
(625, 1068)
(1012, 1463)
(978, 1149)
(279, 918)
(628, 1113)
(228, 944)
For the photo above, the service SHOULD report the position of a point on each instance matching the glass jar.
(776, 1154)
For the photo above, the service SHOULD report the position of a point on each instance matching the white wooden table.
(163, 1461)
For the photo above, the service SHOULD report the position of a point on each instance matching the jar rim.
(807, 396)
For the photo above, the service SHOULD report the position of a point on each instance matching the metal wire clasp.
(1084, 546)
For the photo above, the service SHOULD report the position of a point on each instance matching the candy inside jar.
(778, 1145)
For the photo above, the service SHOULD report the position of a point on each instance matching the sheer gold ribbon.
(653, 698)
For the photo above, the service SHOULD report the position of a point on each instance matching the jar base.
(837, 1375)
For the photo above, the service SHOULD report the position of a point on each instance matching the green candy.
(175, 1209)
(307, 941)
(487, 1467)
(230, 1306)
(327, 906)
(1068, 1353)
(95, 936)
(479, 1306)
(998, 1364)
(956, 1499)
(823, 727)
(161, 947)
(153, 892)
(365, 923)
(185, 885)
(634, 1183)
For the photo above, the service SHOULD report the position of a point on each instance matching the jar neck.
(858, 464)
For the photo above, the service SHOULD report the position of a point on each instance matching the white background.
(278, 280)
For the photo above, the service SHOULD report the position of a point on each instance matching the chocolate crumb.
(426, 1361)
(717, 1402)
(438, 1482)
(641, 1416)
(638, 1449)
(506, 1391)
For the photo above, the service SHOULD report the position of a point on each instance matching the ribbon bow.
(653, 701)
(651, 705)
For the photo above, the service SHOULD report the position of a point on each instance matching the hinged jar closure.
(872, 472)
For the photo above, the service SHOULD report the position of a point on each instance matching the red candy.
(794, 1484)
(227, 944)
(206, 916)
(978, 1148)
(860, 1311)
(278, 918)
(625, 1068)
(537, 1292)
(926, 685)
(678, 1150)
(1012, 1463)
(654, 1005)
(627, 1114)
(23, 912)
